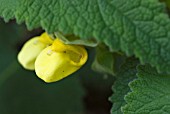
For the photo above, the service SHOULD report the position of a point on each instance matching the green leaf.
(7, 9)
(139, 27)
(150, 93)
(120, 87)
(104, 61)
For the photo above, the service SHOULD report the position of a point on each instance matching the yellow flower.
(51, 62)
(32, 49)
(59, 60)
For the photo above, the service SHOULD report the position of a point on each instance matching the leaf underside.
(140, 27)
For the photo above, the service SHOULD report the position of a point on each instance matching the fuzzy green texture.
(120, 87)
(150, 93)
(140, 27)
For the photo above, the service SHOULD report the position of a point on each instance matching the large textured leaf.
(150, 93)
(139, 27)
(120, 87)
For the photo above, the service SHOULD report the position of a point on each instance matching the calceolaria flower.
(59, 60)
(32, 49)
(52, 59)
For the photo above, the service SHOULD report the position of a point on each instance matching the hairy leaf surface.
(120, 87)
(150, 93)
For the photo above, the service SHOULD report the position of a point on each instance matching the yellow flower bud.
(32, 49)
(59, 60)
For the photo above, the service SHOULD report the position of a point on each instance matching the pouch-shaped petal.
(53, 65)
(32, 49)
